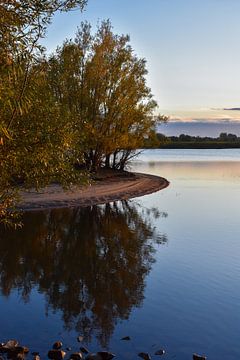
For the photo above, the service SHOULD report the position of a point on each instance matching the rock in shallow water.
(57, 345)
(106, 355)
(144, 356)
(84, 350)
(10, 344)
(199, 357)
(56, 354)
(160, 352)
(100, 355)
(126, 338)
(93, 356)
(76, 356)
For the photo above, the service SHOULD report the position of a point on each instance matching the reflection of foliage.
(90, 262)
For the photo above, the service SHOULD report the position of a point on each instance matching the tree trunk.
(107, 161)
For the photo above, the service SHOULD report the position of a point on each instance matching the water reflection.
(90, 263)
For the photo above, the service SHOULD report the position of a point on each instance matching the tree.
(23, 24)
(103, 83)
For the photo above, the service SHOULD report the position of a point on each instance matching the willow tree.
(103, 84)
(23, 24)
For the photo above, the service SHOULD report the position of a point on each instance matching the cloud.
(232, 109)
(200, 127)
(216, 120)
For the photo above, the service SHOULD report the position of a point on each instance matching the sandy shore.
(100, 192)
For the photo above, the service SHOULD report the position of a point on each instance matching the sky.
(192, 52)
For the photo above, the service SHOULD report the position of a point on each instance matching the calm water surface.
(163, 269)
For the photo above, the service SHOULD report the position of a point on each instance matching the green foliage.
(100, 80)
(88, 103)
(33, 136)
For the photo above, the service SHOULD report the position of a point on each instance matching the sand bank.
(100, 192)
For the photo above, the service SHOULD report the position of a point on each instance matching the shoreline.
(101, 192)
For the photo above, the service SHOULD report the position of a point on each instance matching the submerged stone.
(84, 350)
(106, 355)
(10, 344)
(56, 354)
(144, 356)
(57, 345)
(160, 352)
(93, 356)
(126, 338)
(199, 357)
(76, 356)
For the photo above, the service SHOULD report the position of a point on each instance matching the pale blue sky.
(191, 47)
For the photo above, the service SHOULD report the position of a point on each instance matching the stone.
(84, 350)
(126, 338)
(106, 355)
(80, 338)
(76, 356)
(144, 356)
(93, 356)
(15, 355)
(160, 352)
(17, 352)
(10, 344)
(21, 349)
(19, 356)
(57, 345)
(199, 357)
(56, 354)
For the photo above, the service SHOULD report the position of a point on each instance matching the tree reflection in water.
(90, 263)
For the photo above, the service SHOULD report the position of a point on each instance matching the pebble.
(57, 345)
(199, 357)
(56, 354)
(80, 338)
(76, 356)
(126, 338)
(93, 357)
(10, 344)
(21, 349)
(160, 352)
(105, 355)
(84, 350)
(144, 356)
(19, 356)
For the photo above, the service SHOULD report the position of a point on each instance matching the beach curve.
(101, 192)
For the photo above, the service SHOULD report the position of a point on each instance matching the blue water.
(190, 155)
(163, 268)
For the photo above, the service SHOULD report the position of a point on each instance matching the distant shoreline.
(185, 141)
(107, 190)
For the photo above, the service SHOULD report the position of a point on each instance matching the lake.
(163, 269)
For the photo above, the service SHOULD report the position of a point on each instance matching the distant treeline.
(223, 141)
